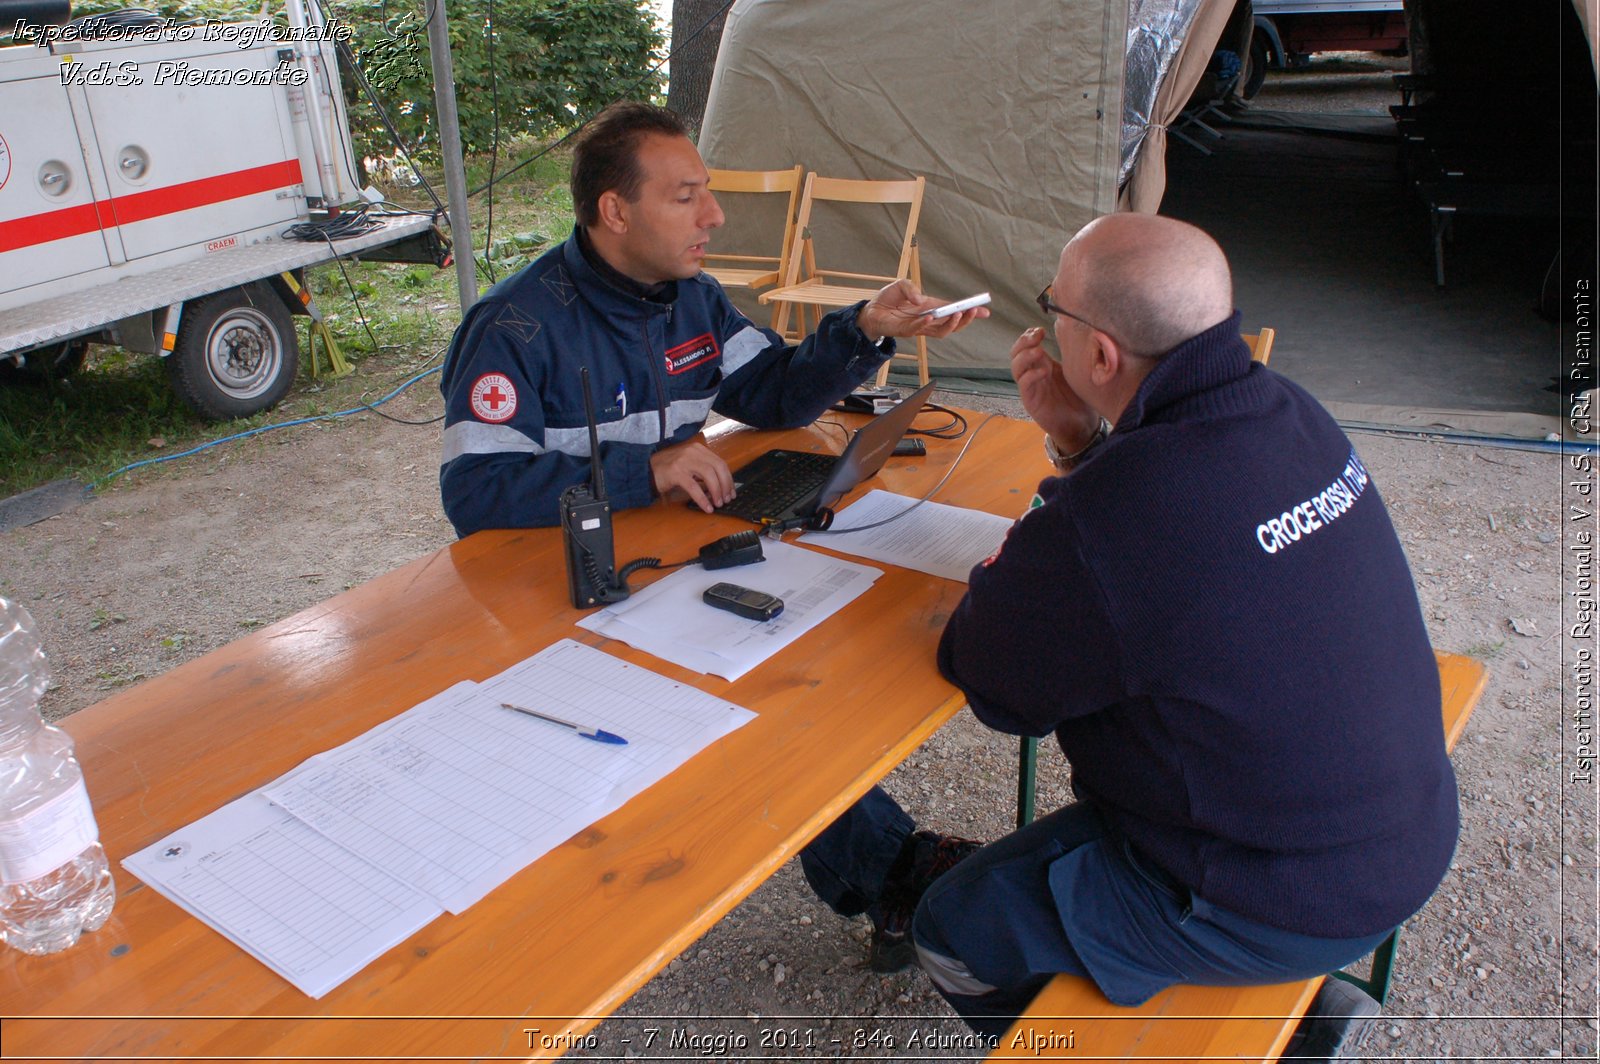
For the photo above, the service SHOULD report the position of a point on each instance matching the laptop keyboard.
(771, 491)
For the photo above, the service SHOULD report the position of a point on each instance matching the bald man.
(1208, 606)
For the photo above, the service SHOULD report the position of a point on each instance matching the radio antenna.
(597, 472)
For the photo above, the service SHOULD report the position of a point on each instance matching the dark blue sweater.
(1214, 615)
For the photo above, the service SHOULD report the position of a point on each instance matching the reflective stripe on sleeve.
(644, 426)
(476, 437)
(745, 345)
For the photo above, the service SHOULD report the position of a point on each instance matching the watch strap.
(1068, 462)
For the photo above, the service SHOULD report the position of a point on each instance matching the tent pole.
(455, 171)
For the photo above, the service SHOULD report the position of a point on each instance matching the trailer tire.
(1255, 66)
(236, 354)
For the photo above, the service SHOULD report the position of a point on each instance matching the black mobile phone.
(743, 601)
(910, 445)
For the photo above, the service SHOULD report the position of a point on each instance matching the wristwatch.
(1066, 463)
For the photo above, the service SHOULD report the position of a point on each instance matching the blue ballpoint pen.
(597, 734)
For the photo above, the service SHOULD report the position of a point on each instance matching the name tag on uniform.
(688, 355)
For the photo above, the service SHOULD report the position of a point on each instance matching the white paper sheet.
(670, 620)
(665, 722)
(934, 538)
(308, 909)
(453, 796)
(323, 869)
(458, 794)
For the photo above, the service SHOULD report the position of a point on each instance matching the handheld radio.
(586, 528)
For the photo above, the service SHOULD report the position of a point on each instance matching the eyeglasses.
(1047, 308)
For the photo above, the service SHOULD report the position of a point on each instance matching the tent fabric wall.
(1012, 112)
(1147, 181)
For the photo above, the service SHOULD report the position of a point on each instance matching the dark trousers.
(1064, 894)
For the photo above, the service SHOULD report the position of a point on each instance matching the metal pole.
(455, 171)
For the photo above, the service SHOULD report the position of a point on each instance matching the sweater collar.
(663, 292)
(1189, 378)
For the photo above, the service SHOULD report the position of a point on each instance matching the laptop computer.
(786, 486)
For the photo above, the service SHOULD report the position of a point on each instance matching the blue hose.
(265, 428)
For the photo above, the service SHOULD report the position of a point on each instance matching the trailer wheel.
(1255, 66)
(236, 354)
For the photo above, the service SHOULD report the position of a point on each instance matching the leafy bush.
(555, 62)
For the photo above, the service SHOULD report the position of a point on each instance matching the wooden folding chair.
(1260, 345)
(806, 285)
(756, 271)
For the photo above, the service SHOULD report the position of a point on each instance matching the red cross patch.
(494, 399)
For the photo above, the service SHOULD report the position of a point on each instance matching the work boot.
(1333, 1025)
(923, 858)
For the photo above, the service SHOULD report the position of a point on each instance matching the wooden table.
(566, 940)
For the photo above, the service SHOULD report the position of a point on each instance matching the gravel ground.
(174, 561)
(1341, 82)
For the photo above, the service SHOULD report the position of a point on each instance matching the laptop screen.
(871, 446)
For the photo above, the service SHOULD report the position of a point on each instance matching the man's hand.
(897, 310)
(696, 470)
(1047, 397)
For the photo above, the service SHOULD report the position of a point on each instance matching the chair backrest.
(761, 181)
(1260, 345)
(820, 189)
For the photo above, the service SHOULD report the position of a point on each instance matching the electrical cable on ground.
(268, 428)
(438, 354)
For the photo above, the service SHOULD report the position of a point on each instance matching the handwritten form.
(670, 619)
(429, 811)
(934, 538)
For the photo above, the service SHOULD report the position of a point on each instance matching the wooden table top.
(570, 937)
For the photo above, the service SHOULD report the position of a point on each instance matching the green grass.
(119, 410)
(1486, 650)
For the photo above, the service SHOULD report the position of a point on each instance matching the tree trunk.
(694, 60)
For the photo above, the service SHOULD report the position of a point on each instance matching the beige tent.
(1013, 111)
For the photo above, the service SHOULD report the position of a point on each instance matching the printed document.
(319, 872)
(459, 793)
(303, 906)
(665, 722)
(934, 538)
(670, 619)
(453, 796)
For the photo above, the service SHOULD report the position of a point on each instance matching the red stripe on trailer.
(52, 225)
(142, 206)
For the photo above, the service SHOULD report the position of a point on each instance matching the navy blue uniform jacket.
(515, 434)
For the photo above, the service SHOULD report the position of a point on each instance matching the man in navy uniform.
(1209, 608)
(625, 297)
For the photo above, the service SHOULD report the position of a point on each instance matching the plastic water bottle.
(55, 883)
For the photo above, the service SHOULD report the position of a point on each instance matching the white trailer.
(1286, 32)
(150, 175)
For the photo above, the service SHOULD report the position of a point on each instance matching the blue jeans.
(1064, 894)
